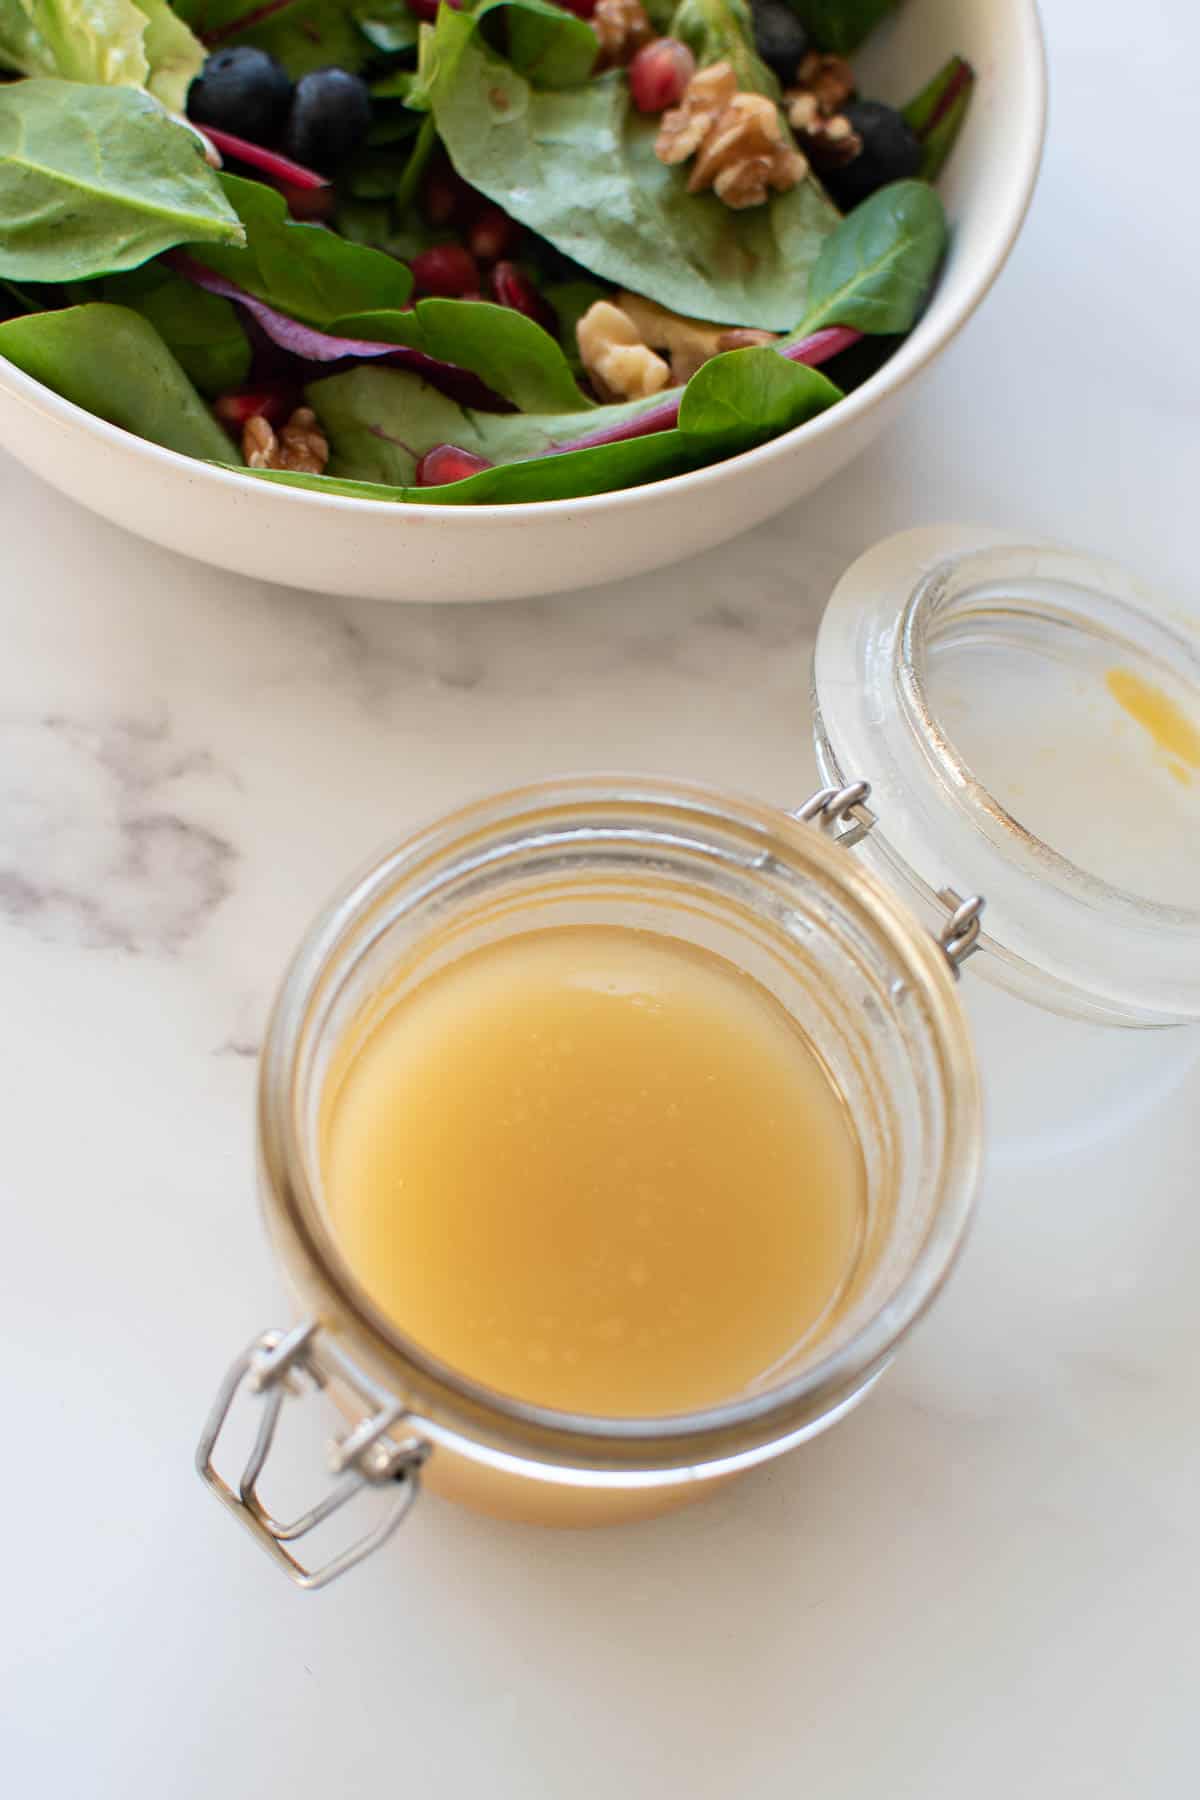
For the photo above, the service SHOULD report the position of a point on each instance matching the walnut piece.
(688, 343)
(300, 446)
(829, 79)
(622, 27)
(823, 86)
(684, 127)
(738, 141)
(621, 365)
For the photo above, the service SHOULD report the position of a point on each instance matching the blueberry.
(891, 151)
(244, 91)
(779, 37)
(331, 113)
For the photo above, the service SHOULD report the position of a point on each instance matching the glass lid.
(1028, 718)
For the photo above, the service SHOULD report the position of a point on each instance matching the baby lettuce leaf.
(98, 179)
(201, 330)
(113, 363)
(578, 166)
(721, 31)
(389, 26)
(303, 270)
(874, 272)
(841, 25)
(111, 43)
(511, 353)
(97, 41)
(381, 421)
(174, 53)
(303, 34)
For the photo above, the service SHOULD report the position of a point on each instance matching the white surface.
(342, 546)
(984, 1583)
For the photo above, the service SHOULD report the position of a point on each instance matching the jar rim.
(1056, 932)
(485, 1420)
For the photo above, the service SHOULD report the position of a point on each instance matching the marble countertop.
(984, 1582)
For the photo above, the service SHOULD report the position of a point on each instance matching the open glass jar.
(779, 898)
(853, 920)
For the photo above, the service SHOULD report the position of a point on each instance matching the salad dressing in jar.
(613, 1133)
(596, 1169)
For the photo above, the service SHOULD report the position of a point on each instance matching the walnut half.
(737, 139)
(301, 445)
(619, 362)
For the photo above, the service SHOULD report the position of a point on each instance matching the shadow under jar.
(775, 898)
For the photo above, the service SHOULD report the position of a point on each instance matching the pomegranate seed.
(273, 404)
(492, 235)
(310, 204)
(583, 9)
(446, 199)
(511, 287)
(446, 269)
(659, 74)
(448, 462)
(424, 9)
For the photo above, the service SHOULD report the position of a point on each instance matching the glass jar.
(777, 896)
(1029, 721)
(971, 676)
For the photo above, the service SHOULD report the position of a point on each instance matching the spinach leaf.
(937, 113)
(303, 34)
(305, 271)
(113, 363)
(201, 330)
(381, 421)
(874, 272)
(578, 166)
(98, 179)
(721, 31)
(570, 300)
(511, 353)
(841, 25)
(546, 44)
(112, 43)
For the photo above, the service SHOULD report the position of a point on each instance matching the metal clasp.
(959, 936)
(832, 807)
(272, 1366)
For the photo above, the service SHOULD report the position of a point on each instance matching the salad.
(476, 251)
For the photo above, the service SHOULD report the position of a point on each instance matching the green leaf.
(548, 45)
(174, 53)
(578, 166)
(303, 34)
(721, 31)
(113, 363)
(305, 271)
(510, 352)
(201, 330)
(874, 272)
(937, 123)
(388, 25)
(841, 25)
(570, 300)
(98, 179)
(381, 421)
(96, 41)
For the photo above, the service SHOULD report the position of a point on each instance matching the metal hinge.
(843, 813)
(274, 1366)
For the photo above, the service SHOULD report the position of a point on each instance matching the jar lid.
(1028, 718)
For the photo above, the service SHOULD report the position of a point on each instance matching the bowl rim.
(919, 348)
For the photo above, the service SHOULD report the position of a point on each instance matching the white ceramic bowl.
(389, 552)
